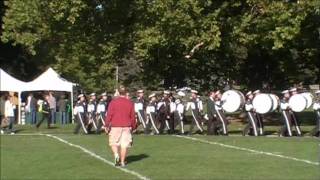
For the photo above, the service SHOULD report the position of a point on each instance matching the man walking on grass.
(119, 123)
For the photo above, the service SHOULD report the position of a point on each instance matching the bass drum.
(298, 103)
(232, 100)
(275, 101)
(309, 98)
(262, 103)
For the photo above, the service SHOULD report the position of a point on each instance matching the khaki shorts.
(120, 136)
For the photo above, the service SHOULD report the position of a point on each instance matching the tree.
(248, 42)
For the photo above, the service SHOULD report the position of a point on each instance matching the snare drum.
(298, 103)
(263, 103)
(232, 100)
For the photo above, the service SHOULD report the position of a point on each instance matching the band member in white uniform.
(196, 107)
(201, 111)
(251, 127)
(294, 120)
(140, 107)
(285, 130)
(102, 108)
(151, 112)
(163, 114)
(173, 108)
(316, 108)
(179, 114)
(91, 110)
(80, 115)
(220, 115)
(259, 118)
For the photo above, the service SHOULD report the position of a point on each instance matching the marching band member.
(211, 111)
(316, 108)
(151, 112)
(294, 119)
(201, 110)
(140, 110)
(196, 108)
(252, 121)
(80, 115)
(179, 114)
(285, 130)
(102, 108)
(173, 108)
(91, 110)
(259, 118)
(163, 114)
(220, 114)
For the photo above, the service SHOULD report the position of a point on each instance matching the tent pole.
(19, 107)
(72, 106)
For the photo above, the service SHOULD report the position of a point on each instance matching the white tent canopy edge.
(47, 81)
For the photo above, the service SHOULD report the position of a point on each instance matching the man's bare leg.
(123, 155)
(115, 150)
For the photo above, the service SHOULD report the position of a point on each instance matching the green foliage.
(247, 42)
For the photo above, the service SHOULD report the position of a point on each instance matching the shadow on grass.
(139, 157)
(19, 130)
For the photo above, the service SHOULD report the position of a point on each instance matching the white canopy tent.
(9, 83)
(50, 80)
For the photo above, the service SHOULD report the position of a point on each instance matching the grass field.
(67, 156)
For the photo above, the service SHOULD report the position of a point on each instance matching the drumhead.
(298, 103)
(309, 98)
(275, 101)
(233, 100)
(262, 103)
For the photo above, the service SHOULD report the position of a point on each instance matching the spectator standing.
(31, 108)
(53, 107)
(2, 101)
(9, 108)
(62, 108)
(44, 109)
(121, 122)
(15, 102)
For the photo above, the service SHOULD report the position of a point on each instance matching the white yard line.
(185, 137)
(98, 157)
(92, 154)
(248, 150)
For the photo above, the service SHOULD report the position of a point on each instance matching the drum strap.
(167, 124)
(181, 122)
(295, 123)
(141, 119)
(82, 123)
(153, 123)
(196, 120)
(92, 120)
(284, 113)
(253, 122)
(101, 117)
(222, 121)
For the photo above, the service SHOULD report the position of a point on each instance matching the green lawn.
(156, 157)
